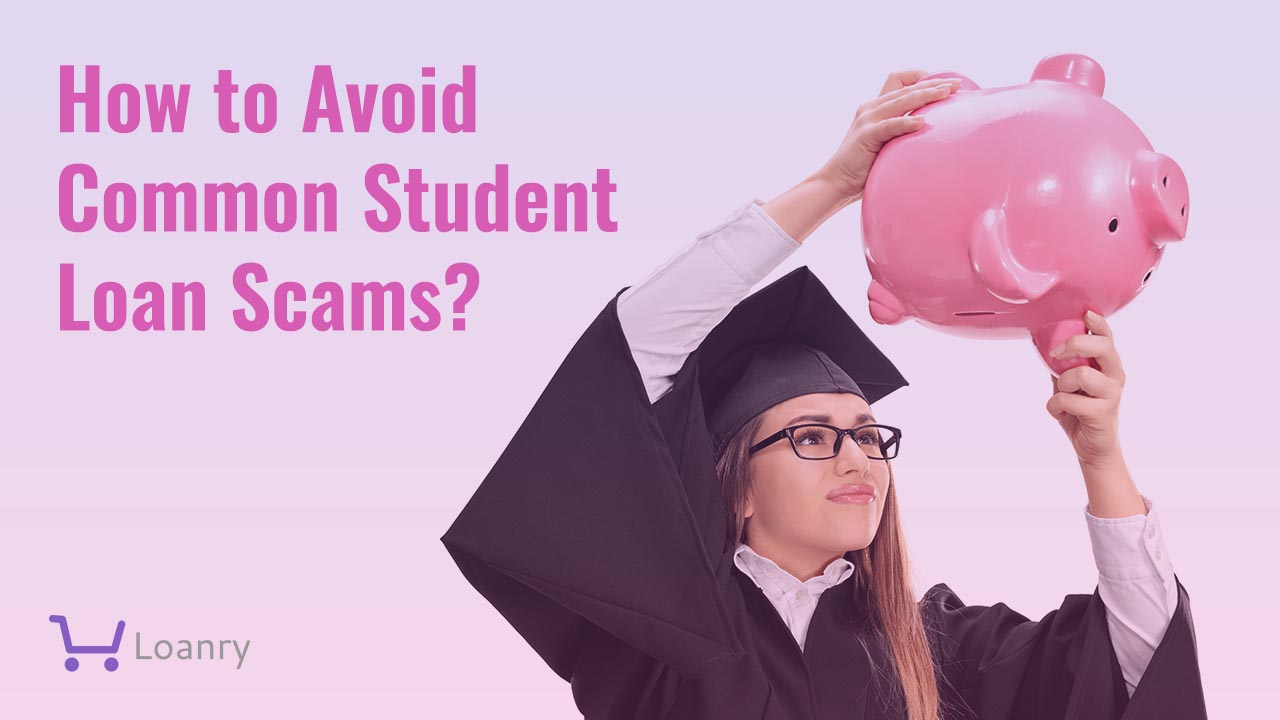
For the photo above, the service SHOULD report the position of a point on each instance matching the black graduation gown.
(600, 536)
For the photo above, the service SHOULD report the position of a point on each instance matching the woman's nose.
(850, 456)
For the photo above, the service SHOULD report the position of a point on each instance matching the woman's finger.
(1089, 379)
(1082, 407)
(902, 78)
(1097, 324)
(876, 102)
(1099, 347)
(913, 100)
(875, 135)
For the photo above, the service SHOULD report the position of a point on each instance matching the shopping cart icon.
(71, 664)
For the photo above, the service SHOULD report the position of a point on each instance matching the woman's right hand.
(800, 210)
(879, 121)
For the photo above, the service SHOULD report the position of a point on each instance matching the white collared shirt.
(667, 315)
(794, 600)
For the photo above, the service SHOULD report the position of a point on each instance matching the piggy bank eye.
(1115, 223)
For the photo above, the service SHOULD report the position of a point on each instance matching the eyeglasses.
(815, 441)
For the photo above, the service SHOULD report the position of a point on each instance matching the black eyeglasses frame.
(888, 448)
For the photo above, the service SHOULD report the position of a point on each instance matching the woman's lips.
(853, 494)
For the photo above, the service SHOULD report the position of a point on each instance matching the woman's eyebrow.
(824, 418)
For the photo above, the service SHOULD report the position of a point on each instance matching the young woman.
(698, 518)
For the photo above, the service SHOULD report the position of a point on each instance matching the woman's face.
(788, 506)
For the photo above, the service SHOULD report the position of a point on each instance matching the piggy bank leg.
(1051, 336)
(886, 308)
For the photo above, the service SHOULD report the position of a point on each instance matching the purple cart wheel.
(112, 664)
(71, 664)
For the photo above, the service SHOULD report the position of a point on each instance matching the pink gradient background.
(291, 488)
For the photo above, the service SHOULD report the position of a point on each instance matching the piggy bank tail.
(886, 308)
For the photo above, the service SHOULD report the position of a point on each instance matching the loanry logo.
(160, 649)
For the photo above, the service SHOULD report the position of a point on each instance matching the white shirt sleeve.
(668, 314)
(1137, 586)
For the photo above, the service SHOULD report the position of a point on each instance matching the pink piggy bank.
(1014, 210)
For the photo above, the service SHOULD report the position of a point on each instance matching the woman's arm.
(1135, 577)
(802, 209)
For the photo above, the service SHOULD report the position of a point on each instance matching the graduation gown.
(600, 536)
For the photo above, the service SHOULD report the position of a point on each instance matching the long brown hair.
(883, 569)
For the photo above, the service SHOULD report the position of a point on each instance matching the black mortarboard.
(789, 338)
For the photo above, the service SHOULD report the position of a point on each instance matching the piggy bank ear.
(965, 83)
(1160, 196)
(1075, 69)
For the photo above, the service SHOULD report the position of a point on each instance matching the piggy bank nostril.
(1147, 277)
(1165, 181)
(1115, 223)
(1184, 211)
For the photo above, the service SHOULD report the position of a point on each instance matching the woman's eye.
(869, 438)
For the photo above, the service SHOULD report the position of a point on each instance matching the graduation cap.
(788, 339)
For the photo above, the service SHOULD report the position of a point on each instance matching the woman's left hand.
(1086, 399)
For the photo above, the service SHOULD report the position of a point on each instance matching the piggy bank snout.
(1160, 195)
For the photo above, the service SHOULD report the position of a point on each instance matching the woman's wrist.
(1111, 490)
(802, 209)
(849, 191)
